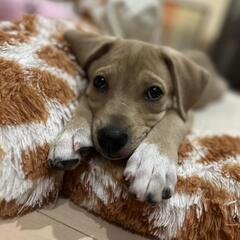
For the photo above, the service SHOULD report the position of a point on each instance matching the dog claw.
(166, 193)
(128, 176)
(140, 196)
(76, 146)
(150, 198)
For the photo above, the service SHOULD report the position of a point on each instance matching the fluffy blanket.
(205, 206)
(39, 88)
(39, 85)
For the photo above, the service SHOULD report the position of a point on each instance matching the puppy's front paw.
(152, 175)
(65, 153)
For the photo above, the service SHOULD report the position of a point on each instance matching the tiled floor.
(65, 222)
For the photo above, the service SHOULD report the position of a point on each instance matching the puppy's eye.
(153, 93)
(100, 83)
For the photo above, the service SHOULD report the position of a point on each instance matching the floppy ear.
(87, 46)
(189, 79)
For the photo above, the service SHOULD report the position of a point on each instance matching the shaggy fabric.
(206, 204)
(39, 86)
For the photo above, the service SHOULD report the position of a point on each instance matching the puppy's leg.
(152, 167)
(64, 153)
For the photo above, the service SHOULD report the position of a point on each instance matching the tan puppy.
(136, 106)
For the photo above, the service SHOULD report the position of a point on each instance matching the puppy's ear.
(189, 79)
(87, 46)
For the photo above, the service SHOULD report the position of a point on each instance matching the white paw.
(152, 175)
(65, 152)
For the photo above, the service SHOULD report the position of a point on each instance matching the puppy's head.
(131, 86)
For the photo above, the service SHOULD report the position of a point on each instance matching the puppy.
(136, 106)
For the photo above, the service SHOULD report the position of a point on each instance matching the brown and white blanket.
(39, 85)
(39, 89)
(205, 206)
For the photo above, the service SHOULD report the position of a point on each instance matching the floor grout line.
(75, 229)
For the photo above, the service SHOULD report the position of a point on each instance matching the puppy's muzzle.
(112, 139)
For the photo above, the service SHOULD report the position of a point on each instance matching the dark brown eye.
(100, 83)
(153, 93)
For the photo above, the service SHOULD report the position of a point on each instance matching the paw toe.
(150, 198)
(76, 146)
(64, 164)
(166, 193)
(68, 164)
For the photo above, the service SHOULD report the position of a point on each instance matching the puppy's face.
(129, 91)
(131, 86)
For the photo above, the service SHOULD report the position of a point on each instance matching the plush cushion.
(205, 206)
(39, 85)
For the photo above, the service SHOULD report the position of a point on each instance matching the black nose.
(112, 139)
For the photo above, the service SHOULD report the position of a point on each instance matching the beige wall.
(217, 12)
